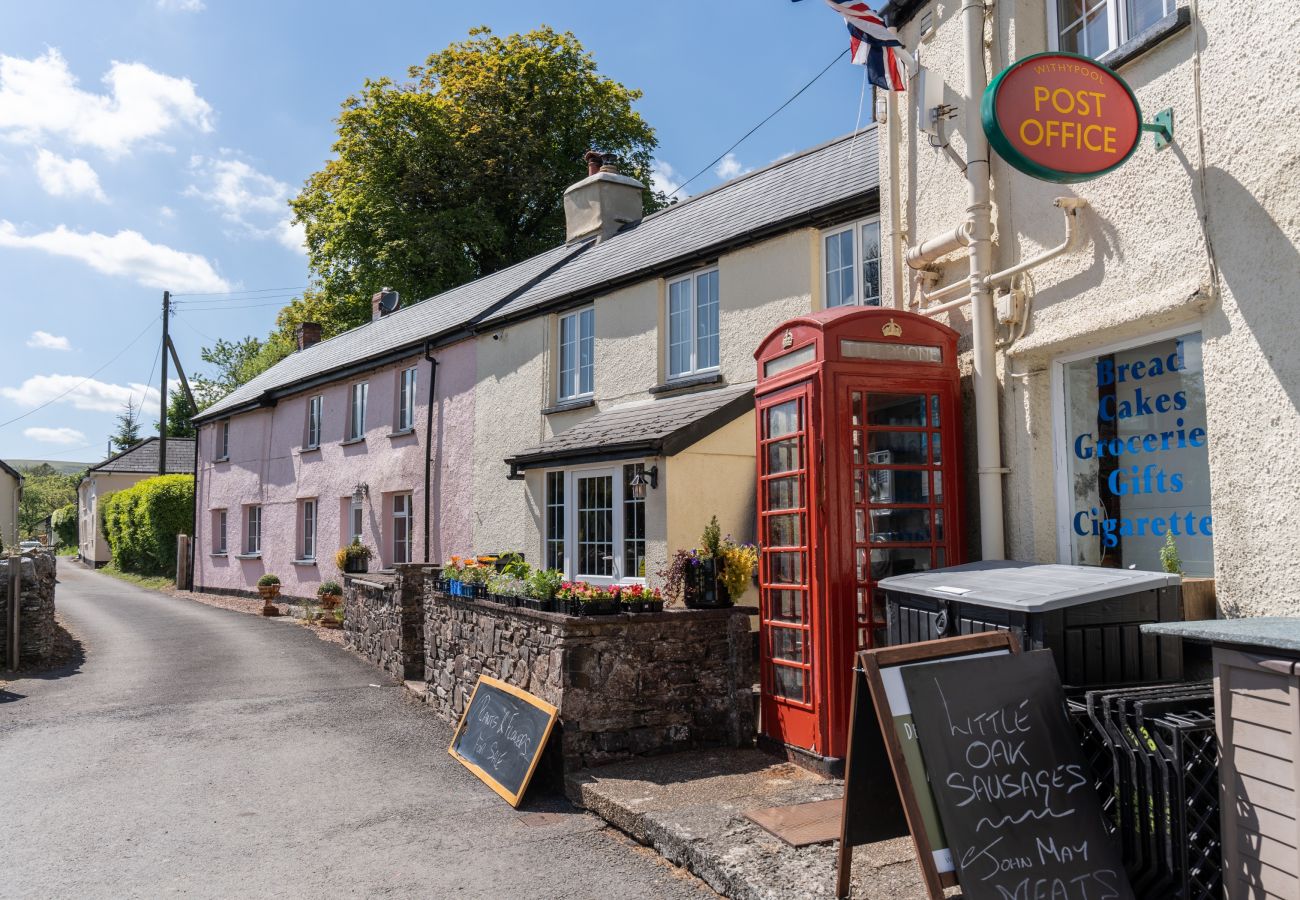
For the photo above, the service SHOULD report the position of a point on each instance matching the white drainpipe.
(988, 449)
(895, 203)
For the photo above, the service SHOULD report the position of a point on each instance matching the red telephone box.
(858, 443)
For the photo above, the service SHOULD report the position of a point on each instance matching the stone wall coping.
(369, 579)
(577, 623)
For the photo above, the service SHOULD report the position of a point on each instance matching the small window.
(356, 521)
(223, 440)
(308, 529)
(693, 324)
(1095, 27)
(219, 531)
(314, 406)
(633, 525)
(406, 399)
(402, 519)
(253, 531)
(851, 263)
(577, 354)
(357, 411)
(555, 520)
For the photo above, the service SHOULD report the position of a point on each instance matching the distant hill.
(59, 465)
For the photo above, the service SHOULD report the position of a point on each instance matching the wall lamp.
(646, 478)
(360, 491)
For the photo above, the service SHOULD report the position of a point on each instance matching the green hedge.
(63, 522)
(141, 523)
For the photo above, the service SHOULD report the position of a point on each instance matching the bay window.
(577, 340)
(595, 528)
(851, 264)
(693, 324)
(1095, 27)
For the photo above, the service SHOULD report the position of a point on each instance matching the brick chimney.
(384, 303)
(603, 202)
(306, 334)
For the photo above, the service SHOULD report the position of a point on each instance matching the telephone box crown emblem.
(891, 329)
(787, 339)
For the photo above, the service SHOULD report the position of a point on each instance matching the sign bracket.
(1162, 127)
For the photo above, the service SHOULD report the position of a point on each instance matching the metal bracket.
(1162, 128)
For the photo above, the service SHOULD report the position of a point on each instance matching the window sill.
(569, 405)
(304, 450)
(257, 555)
(304, 562)
(687, 382)
(401, 432)
(1154, 34)
(350, 441)
(221, 459)
(221, 554)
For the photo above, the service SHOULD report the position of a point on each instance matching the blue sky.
(150, 144)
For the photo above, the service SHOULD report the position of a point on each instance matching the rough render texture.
(1142, 266)
(625, 685)
(35, 607)
(267, 465)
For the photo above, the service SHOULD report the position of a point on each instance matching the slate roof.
(659, 427)
(142, 458)
(808, 187)
(4, 466)
(409, 327)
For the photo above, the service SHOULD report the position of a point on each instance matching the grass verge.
(153, 582)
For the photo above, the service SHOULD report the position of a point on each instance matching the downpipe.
(428, 445)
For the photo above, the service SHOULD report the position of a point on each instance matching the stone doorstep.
(690, 808)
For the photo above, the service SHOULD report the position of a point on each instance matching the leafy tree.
(63, 522)
(44, 491)
(179, 414)
(128, 427)
(457, 173)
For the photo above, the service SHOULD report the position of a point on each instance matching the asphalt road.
(210, 753)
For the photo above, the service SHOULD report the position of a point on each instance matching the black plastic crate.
(1089, 617)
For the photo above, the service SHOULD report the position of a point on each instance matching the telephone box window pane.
(934, 448)
(791, 360)
(900, 526)
(938, 487)
(856, 408)
(784, 493)
(885, 563)
(897, 448)
(787, 606)
(783, 419)
(859, 479)
(787, 568)
(907, 410)
(788, 682)
(860, 560)
(1138, 467)
(783, 455)
(787, 643)
(859, 525)
(785, 531)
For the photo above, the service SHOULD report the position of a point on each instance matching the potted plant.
(582, 599)
(330, 594)
(269, 587)
(712, 576)
(505, 589)
(1199, 597)
(637, 599)
(543, 584)
(473, 579)
(354, 559)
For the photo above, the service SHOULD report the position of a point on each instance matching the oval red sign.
(1061, 117)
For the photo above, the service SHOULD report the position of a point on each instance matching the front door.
(786, 614)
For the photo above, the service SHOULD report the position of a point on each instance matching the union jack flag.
(873, 45)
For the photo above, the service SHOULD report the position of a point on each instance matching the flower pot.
(356, 565)
(593, 608)
(330, 601)
(701, 589)
(269, 592)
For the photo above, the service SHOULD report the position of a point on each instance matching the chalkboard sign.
(501, 736)
(1015, 798)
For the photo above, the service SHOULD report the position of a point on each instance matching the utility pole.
(162, 388)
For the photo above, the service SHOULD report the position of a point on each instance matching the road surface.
(211, 753)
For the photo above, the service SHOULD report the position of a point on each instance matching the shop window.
(357, 396)
(253, 530)
(1095, 27)
(693, 324)
(406, 399)
(403, 517)
(307, 526)
(1136, 466)
(577, 354)
(851, 263)
(555, 520)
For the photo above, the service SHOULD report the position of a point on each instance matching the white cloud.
(82, 393)
(43, 340)
(166, 212)
(254, 202)
(182, 5)
(730, 167)
(40, 97)
(67, 177)
(127, 253)
(54, 435)
(663, 177)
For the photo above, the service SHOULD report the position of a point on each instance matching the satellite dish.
(389, 300)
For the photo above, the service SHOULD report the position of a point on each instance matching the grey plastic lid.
(1030, 587)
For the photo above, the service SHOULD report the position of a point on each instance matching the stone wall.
(383, 620)
(625, 685)
(36, 607)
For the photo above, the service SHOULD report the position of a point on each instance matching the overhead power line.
(769, 118)
(215, 294)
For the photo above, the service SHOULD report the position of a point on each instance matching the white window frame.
(1061, 441)
(691, 280)
(220, 545)
(570, 552)
(358, 397)
(859, 283)
(569, 384)
(406, 386)
(309, 512)
(223, 441)
(253, 536)
(1118, 30)
(356, 508)
(315, 413)
(403, 521)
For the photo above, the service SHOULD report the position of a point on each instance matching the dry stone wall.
(36, 607)
(383, 620)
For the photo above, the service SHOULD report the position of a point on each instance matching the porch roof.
(660, 427)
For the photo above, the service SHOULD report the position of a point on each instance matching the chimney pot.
(306, 334)
(595, 159)
(603, 202)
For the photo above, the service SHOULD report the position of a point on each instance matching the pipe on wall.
(898, 237)
(428, 445)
